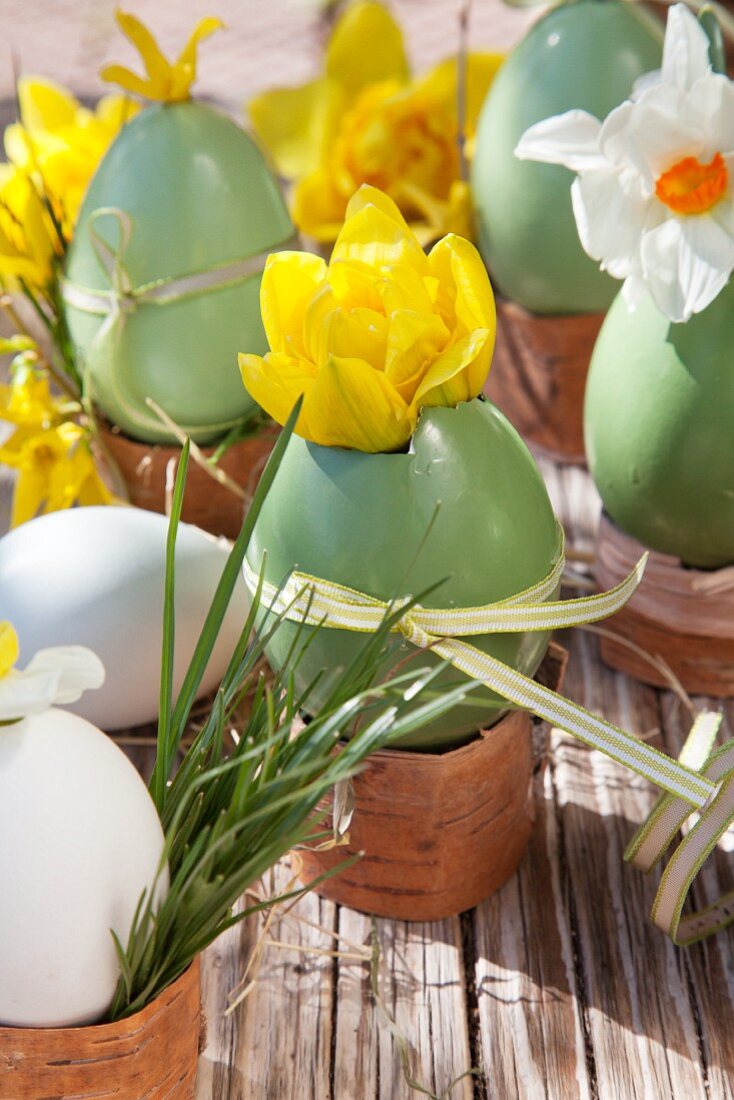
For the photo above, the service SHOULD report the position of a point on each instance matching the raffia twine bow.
(124, 298)
(701, 780)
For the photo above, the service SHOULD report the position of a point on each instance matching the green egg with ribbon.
(659, 428)
(162, 276)
(586, 55)
(464, 513)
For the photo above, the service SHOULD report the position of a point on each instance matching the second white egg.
(95, 577)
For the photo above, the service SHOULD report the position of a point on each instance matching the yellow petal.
(366, 46)
(441, 83)
(414, 342)
(290, 123)
(203, 29)
(276, 382)
(156, 65)
(9, 648)
(459, 374)
(318, 207)
(45, 105)
(289, 282)
(465, 296)
(355, 334)
(376, 233)
(352, 405)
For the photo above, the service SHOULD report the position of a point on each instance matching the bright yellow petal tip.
(167, 82)
(9, 648)
(380, 333)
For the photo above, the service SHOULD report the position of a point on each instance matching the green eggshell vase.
(659, 428)
(173, 168)
(359, 519)
(586, 55)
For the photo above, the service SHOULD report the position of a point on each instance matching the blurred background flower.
(366, 120)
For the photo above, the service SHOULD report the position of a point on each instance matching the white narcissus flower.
(654, 193)
(59, 675)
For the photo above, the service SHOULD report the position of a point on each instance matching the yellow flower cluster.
(52, 154)
(366, 121)
(51, 453)
(381, 332)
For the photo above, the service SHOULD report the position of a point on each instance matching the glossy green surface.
(199, 194)
(359, 519)
(659, 428)
(583, 55)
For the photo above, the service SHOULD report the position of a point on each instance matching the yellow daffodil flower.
(366, 121)
(59, 142)
(56, 470)
(169, 82)
(56, 675)
(29, 244)
(380, 332)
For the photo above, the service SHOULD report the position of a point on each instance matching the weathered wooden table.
(556, 987)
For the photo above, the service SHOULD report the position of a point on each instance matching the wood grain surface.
(557, 987)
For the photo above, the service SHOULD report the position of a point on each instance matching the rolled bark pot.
(538, 376)
(683, 615)
(148, 471)
(152, 1054)
(439, 831)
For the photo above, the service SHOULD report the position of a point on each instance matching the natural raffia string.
(699, 780)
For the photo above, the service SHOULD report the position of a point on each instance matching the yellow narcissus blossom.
(59, 143)
(55, 465)
(380, 332)
(56, 470)
(169, 82)
(366, 121)
(28, 241)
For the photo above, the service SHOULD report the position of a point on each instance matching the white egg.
(95, 577)
(80, 840)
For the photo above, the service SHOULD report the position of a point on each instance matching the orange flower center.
(690, 187)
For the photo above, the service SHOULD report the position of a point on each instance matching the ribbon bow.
(699, 780)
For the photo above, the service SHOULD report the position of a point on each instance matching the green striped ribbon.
(697, 781)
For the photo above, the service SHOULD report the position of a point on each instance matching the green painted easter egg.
(196, 199)
(659, 428)
(363, 520)
(584, 55)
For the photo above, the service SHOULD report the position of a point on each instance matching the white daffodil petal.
(610, 216)
(571, 139)
(651, 134)
(686, 264)
(709, 105)
(78, 669)
(686, 48)
(21, 694)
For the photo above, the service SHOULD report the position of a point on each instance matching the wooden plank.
(642, 1024)
(276, 1045)
(530, 1022)
(422, 987)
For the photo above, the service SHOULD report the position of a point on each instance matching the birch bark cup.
(174, 166)
(465, 512)
(584, 55)
(153, 1053)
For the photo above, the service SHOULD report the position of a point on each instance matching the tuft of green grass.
(230, 808)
